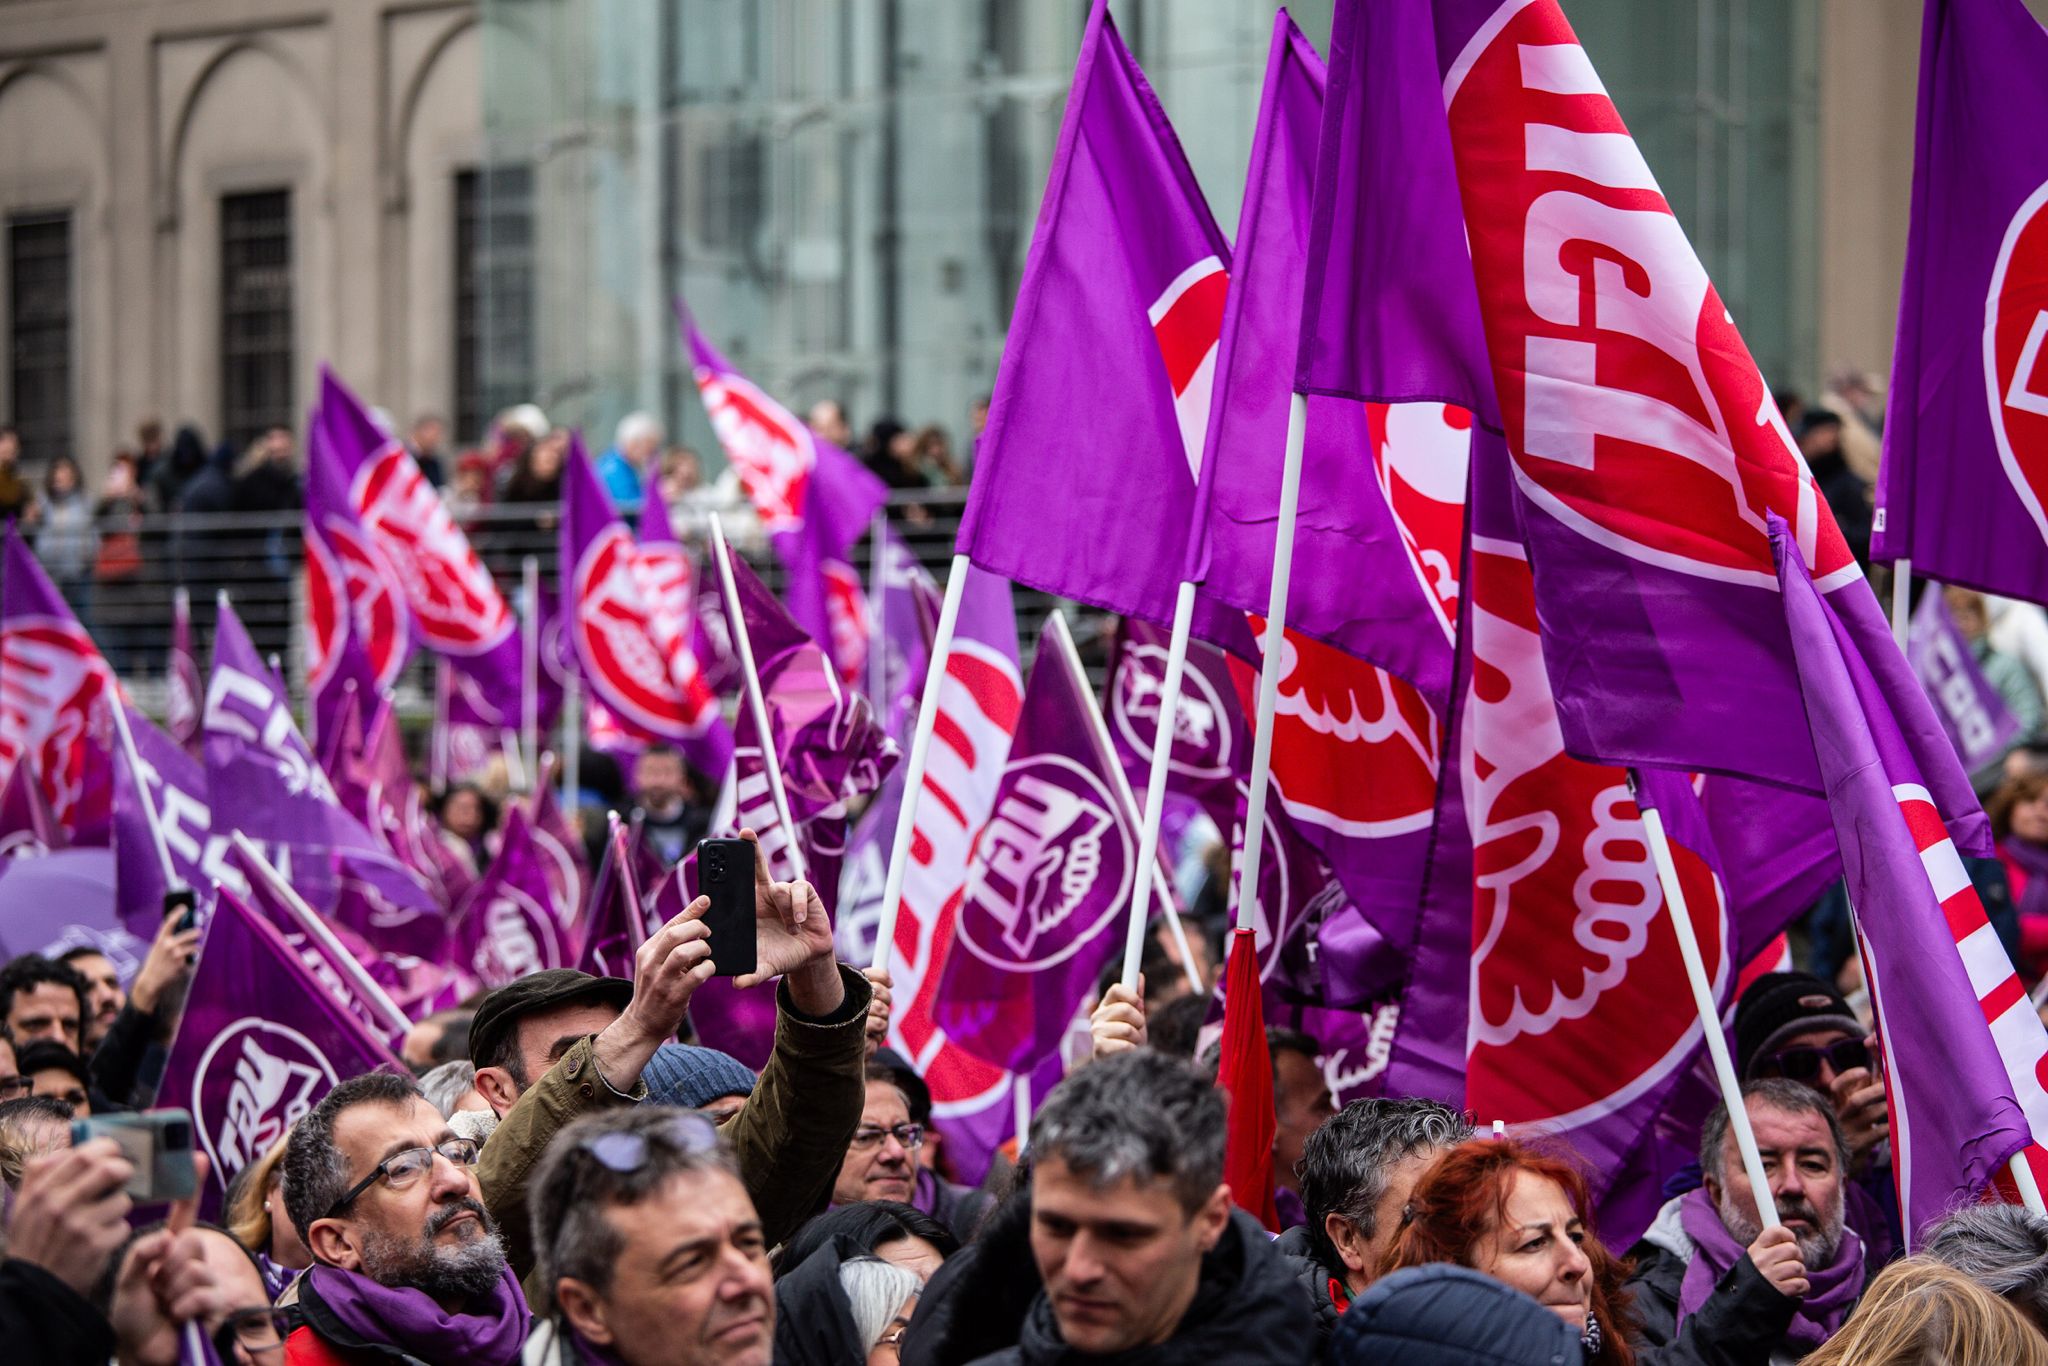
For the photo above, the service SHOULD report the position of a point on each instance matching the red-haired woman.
(1519, 1215)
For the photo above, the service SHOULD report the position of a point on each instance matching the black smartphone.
(182, 902)
(725, 873)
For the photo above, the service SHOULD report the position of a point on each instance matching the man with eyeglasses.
(1794, 1025)
(651, 1253)
(407, 1262)
(881, 1160)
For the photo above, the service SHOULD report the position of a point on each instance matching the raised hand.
(1776, 1254)
(1118, 1022)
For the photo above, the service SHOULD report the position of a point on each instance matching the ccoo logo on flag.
(458, 608)
(1051, 869)
(255, 1080)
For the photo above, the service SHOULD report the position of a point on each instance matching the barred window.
(255, 314)
(494, 294)
(39, 333)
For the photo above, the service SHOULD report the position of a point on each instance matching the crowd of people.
(565, 1179)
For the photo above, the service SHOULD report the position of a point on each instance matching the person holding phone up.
(557, 1045)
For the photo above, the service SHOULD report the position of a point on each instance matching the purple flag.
(64, 900)
(612, 627)
(51, 681)
(27, 825)
(181, 677)
(814, 500)
(668, 581)
(1368, 594)
(1103, 395)
(1966, 424)
(508, 925)
(561, 846)
(1963, 1050)
(177, 789)
(408, 569)
(1048, 887)
(910, 614)
(268, 901)
(1978, 722)
(259, 1044)
(1646, 451)
(613, 925)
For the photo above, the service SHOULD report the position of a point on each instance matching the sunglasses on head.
(1803, 1064)
(625, 1152)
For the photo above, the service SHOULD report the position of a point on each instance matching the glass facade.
(844, 190)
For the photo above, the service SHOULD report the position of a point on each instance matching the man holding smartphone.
(557, 1045)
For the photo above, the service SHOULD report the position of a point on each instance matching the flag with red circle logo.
(384, 552)
(814, 500)
(1487, 221)
(1965, 467)
(52, 680)
(612, 629)
(1084, 480)
(1964, 1052)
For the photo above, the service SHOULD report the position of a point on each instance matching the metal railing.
(259, 561)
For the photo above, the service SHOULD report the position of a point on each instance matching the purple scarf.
(1834, 1288)
(396, 1316)
(2033, 858)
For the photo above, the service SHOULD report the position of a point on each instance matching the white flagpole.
(743, 645)
(172, 882)
(920, 748)
(315, 927)
(1063, 642)
(1154, 808)
(437, 738)
(1269, 668)
(529, 665)
(1902, 599)
(572, 742)
(1020, 1100)
(878, 604)
(1710, 1017)
(2023, 1177)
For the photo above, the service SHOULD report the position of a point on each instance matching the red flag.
(1245, 1072)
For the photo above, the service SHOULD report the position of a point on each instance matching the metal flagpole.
(1902, 598)
(1063, 642)
(1710, 1017)
(920, 749)
(757, 705)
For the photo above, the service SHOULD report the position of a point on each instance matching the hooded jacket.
(1247, 1311)
(1446, 1315)
(1316, 1282)
(813, 1321)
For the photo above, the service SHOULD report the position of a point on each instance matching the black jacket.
(1741, 1324)
(1446, 1315)
(45, 1321)
(813, 1321)
(1315, 1280)
(975, 1304)
(1247, 1311)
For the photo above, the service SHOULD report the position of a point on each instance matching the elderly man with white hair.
(624, 465)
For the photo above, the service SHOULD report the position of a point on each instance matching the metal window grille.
(494, 294)
(39, 332)
(256, 314)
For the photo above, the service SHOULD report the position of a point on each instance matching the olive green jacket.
(789, 1139)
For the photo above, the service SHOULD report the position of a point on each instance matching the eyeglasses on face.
(625, 1151)
(258, 1330)
(404, 1169)
(1802, 1064)
(868, 1135)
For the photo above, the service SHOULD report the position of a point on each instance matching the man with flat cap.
(556, 1045)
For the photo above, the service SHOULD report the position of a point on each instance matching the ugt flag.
(1963, 1048)
(1102, 397)
(399, 555)
(814, 500)
(1966, 424)
(1048, 890)
(259, 1044)
(52, 680)
(1646, 450)
(1978, 722)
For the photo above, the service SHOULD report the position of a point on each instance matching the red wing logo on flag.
(360, 580)
(1187, 320)
(1420, 452)
(666, 583)
(1339, 716)
(2015, 327)
(458, 608)
(51, 681)
(770, 449)
(1633, 410)
(1572, 955)
(613, 634)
